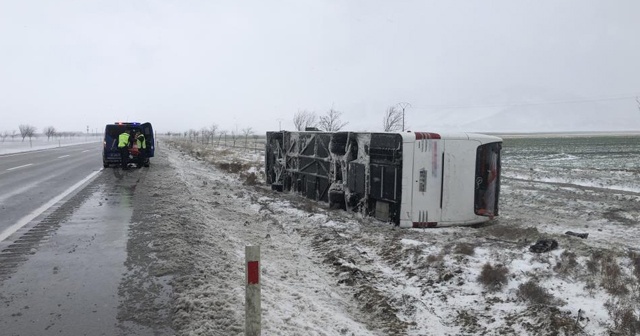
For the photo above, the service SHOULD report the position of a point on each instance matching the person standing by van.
(123, 147)
(141, 143)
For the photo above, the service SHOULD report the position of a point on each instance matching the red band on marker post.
(253, 272)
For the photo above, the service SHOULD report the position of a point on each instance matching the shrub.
(593, 264)
(612, 277)
(567, 264)
(513, 232)
(251, 179)
(465, 248)
(625, 320)
(531, 292)
(635, 261)
(232, 167)
(493, 278)
(308, 205)
(434, 258)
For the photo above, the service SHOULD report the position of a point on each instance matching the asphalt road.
(75, 269)
(30, 180)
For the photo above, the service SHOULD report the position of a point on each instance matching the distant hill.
(546, 114)
(559, 118)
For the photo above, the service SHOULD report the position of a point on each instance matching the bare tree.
(331, 122)
(222, 134)
(638, 101)
(303, 119)
(212, 131)
(4, 135)
(205, 135)
(255, 143)
(247, 132)
(49, 131)
(193, 135)
(27, 131)
(13, 134)
(234, 137)
(392, 119)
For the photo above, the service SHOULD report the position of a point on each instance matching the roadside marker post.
(253, 313)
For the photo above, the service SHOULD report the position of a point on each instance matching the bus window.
(487, 179)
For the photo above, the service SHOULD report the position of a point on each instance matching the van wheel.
(105, 165)
(146, 164)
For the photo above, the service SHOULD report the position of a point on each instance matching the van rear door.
(110, 150)
(147, 130)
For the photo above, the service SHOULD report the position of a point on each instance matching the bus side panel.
(459, 178)
(406, 218)
(427, 177)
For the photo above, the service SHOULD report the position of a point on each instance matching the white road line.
(84, 151)
(18, 167)
(28, 218)
(64, 156)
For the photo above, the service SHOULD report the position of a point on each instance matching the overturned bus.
(413, 179)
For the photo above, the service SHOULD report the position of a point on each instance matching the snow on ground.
(17, 146)
(328, 272)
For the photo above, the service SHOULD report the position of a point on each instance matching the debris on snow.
(544, 245)
(579, 235)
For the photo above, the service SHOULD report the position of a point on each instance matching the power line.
(521, 104)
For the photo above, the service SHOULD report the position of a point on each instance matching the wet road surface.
(28, 181)
(76, 271)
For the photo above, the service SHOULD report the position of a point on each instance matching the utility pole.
(403, 105)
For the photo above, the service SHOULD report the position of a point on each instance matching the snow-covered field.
(10, 146)
(330, 272)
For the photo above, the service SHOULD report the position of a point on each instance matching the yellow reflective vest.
(123, 140)
(140, 142)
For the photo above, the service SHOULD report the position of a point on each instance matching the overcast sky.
(239, 64)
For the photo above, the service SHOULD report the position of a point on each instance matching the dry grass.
(625, 320)
(533, 293)
(612, 278)
(513, 233)
(435, 258)
(224, 159)
(593, 264)
(233, 167)
(635, 261)
(568, 264)
(604, 266)
(250, 179)
(465, 248)
(412, 253)
(493, 278)
(308, 205)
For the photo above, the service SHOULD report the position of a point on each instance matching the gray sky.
(463, 65)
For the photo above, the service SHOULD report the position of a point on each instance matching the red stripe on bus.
(426, 135)
(425, 224)
(253, 273)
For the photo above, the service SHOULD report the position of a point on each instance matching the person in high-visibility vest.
(123, 147)
(142, 144)
(142, 148)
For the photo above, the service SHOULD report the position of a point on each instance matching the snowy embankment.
(330, 272)
(18, 146)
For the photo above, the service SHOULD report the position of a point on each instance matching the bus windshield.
(487, 182)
